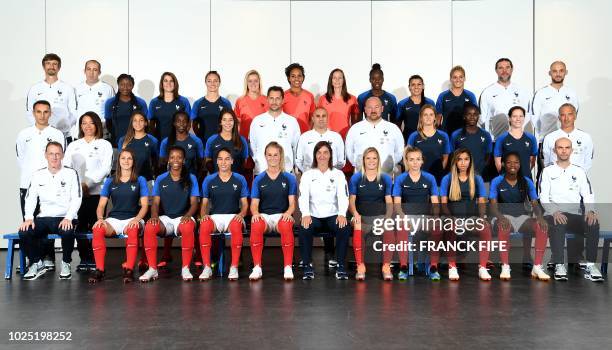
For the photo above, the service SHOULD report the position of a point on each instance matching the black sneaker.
(301, 264)
(128, 276)
(96, 276)
(330, 261)
(341, 273)
(308, 272)
(82, 266)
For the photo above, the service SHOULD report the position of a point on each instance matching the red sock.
(150, 244)
(357, 246)
(186, 230)
(485, 235)
(235, 229)
(131, 247)
(285, 228)
(98, 245)
(540, 243)
(388, 238)
(206, 228)
(402, 236)
(256, 240)
(434, 255)
(505, 237)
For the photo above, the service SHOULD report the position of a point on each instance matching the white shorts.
(120, 225)
(515, 221)
(222, 221)
(271, 221)
(171, 225)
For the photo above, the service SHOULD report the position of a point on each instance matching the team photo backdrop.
(189, 37)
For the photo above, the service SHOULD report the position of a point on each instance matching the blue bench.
(13, 238)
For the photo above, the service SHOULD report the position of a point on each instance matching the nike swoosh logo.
(419, 141)
(164, 186)
(503, 189)
(213, 186)
(262, 186)
(361, 186)
(361, 133)
(114, 188)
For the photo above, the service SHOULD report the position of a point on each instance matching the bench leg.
(605, 250)
(8, 270)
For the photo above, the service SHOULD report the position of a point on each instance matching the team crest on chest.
(59, 93)
(527, 143)
(235, 187)
(99, 94)
(177, 107)
(284, 184)
(380, 187)
(133, 187)
(482, 139)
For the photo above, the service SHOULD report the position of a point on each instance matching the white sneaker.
(233, 273)
(483, 274)
(65, 273)
(505, 272)
(36, 270)
(255, 275)
(453, 273)
(560, 272)
(288, 273)
(538, 273)
(591, 272)
(150, 275)
(186, 274)
(49, 264)
(206, 274)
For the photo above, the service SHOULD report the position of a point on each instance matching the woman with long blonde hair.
(369, 199)
(463, 195)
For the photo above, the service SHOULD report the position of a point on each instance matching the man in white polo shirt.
(60, 95)
(319, 132)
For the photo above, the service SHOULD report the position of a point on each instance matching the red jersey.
(339, 113)
(301, 107)
(246, 109)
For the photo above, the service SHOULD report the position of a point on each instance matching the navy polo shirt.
(120, 113)
(451, 108)
(125, 197)
(466, 206)
(479, 143)
(389, 103)
(433, 149)
(175, 198)
(145, 150)
(526, 147)
(194, 151)
(274, 194)
(415, 195)
(510, 197)
(224, 197)
(207, 113)
(215, 143)
(370, 195)
(163, 111)
(408, 114)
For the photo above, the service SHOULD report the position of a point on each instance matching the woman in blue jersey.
(130, 197)
(434, 143)
(206, 110)
(224, 206)
(508, 195)
(463, 195)
(144, 146)
(451, 102)
(415, 195)
(389, 102)
(163, 107)
(273, 198)
(409, 108)
(229, 137)
(369, 199)
(118, 109)
(175, 203)
(517, 140)
(474, 138)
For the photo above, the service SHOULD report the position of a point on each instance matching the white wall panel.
(169, 36)
(328, 35)
(22, 34)
(80, 30)
(486, 30)
(578, 33)
(249, 35)
(412, 37)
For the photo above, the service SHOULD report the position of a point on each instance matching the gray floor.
(319, 314)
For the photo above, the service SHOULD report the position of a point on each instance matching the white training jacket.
(30, 148)
(582, 148)
(385, 136)
(306, 145)
(62, 98)
(91, 160)
(495, 102)
(323, 194)
(265, 128)
(563, 189)
(59, 194)
(545, 108)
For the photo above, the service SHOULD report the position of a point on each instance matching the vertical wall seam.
(210, 35)
(45, 19)
(533, 47)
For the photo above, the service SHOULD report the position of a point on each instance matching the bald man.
(563, 187)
